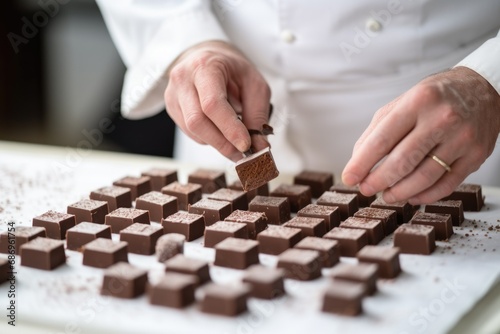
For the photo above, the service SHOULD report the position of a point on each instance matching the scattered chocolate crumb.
(466, 234)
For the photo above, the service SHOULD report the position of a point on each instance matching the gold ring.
(441, 162)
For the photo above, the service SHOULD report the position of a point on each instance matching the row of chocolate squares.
(352, 281)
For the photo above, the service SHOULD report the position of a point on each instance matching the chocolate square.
(330, 214)
(373, 228)
(256, 169)
(43, 253)
(276, 209)
(55, 223)
(276, 239)
(256, 221)
(236, 253)
(237, 198)
(329, 250)
(5, 270)
(159, 205)
(343, 298)
(363, 273)
(347, 203)
(169, 245)
(186, 265)
(212, 210)
(160, 177)
(227, 300)
(387, 259)
(141, 238)
(454, 208)
(300, 264)
(265, 282)
(404, 210)
(210, 180)
(350, 240)
(84, 233)
(186, 194)
(173, 290)
(138, 185)
(263, 190)
(103, 253)
(363, 201)
(318, 181)
(415, 239)
(441, 223)
(22, 235)
(388, 217)
(117, 197)
(470, 195)
(188, 224)
(124, 217)
(89, 210)
(310, 227)
(123, 280)
(221, 230)
(298, 195)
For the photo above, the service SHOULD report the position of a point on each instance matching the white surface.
(432, 294)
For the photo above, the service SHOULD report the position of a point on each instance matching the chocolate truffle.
(404, 211)
(141, 238)
(388, 217)
(363, 200)
(212, 210)
(363, 273)
(237, 198)
(276, 209)
(257, 169)
(123, 280)
(89, 210)
(55, 223)
(173, 290)
(103, 253)
(373, 228)
(441, 223)
(159, 205)
(300, 264)
(452, 207)
(350, 240)
(298, 195)
(343, 298)
(310, 227)
(387, 259)
(347, 203)
(84, 233)
(263, 190)
(186, 194)
(222, 229)
(318, 181)
(124, 217)
(227, 300)
(169, 245)
(265, 282)
(43, 253)
(22, 235)
(329, 250)
(470, 195)
(188, 224)
(117, 197)
(276, 239)
(236, 253)
(330, 214)
(185, 265)
(256, 221)
(138, 185)
(210, 180)
(415, 239)
(160, 177)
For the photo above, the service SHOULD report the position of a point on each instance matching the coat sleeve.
(149, 36)
(485, 60)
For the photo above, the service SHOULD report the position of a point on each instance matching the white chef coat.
(330, 64)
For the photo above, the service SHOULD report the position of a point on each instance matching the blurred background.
(61, 76)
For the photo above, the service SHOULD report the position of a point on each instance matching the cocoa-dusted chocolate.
(173, 290)
(298, 195)
(329, 250)
(256, 221)
(276, 209)
(221, 230)
(388, 217)
(186, 194)
(347, 203)
(22, 235)
(263, 190)
(373, 228)
(186, 265)
(300, 264)
(330, 214)
(141, 238)
(387, 259)
(138, 185)
(227, 300)
(84, 233)
(363, 273)
(363, 201)
(350, 240)
(124, 217)
(209, 179)
(442, 224)
(454, 208)
(89, 210)
(318, 181)
(103, 253)
(310, 227)
(470, 194)
(43, 253)
(343, 298)
(160, 177)
(159, 205)
(191, 225)
(404, 211)
(415, 239)
(117, 197)
(212, 210)
(237, 198)
(236, 253)
(265, 282)
(169, 245)
(276, 239)
(55, 223)
(256, 169)
(123, 280)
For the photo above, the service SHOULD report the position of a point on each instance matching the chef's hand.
(208, 85)
(454, 115)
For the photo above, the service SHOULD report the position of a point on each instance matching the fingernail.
(389, 198)
(350, 179)
(367, 189)
(414, 201)
(242, 145)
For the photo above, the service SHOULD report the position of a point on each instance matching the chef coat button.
(287, 36)
(373, 25)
